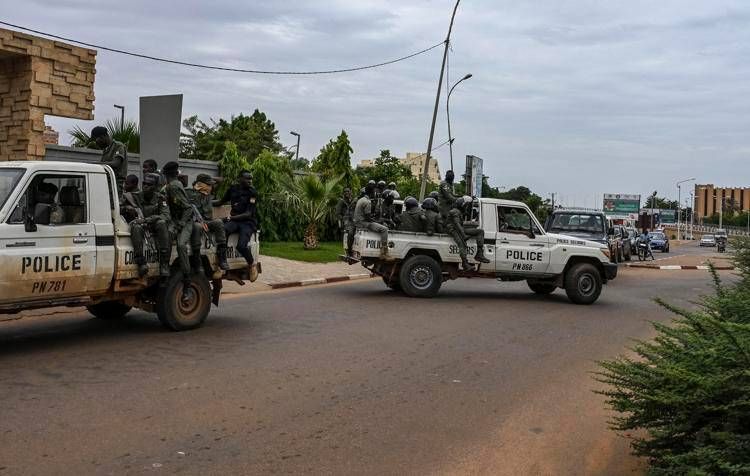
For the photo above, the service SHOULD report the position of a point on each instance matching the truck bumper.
(610, 271)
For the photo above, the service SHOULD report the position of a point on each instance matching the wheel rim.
(188, 303)
(586, 284)
(421, 277)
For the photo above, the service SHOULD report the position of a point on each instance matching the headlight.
(605, 252)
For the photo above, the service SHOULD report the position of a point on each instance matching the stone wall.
(37, 77)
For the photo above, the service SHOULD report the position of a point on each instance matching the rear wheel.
(109, 310)
(583, 283)
(540, 287)
(420, 276)
(178, 312)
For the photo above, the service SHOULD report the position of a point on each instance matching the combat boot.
(142, 266)
(164, 263)
(195, 261)
(480, 257)
(221, 254)
(465, 265)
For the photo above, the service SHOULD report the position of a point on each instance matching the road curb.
(312, 281)
(676, 267)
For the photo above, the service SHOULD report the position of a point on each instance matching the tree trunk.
(311, 237)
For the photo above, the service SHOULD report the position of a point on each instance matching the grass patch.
(327, 252)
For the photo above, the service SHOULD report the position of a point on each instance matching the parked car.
(659, 241)
(583, 224)
(708, 240)
(622, 243)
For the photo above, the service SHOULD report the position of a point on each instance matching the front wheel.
(420, 276)
(540, 287)
(583, 283)
(109, 310)
(180, 311)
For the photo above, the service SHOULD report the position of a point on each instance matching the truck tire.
(540, 287)
(583, 283)
(393, 283)
(178, 315)
(109, 310)
(420, 276)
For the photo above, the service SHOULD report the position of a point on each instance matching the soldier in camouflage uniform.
(413, 218)
(432, 217)
(153, 207)
(181, 212)
(200, 196)
(364, 220)
(388, 215)
(455, 228)
(345, 215)
(114, 154)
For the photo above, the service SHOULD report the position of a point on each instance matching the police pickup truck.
(516, 243)
(84, 256)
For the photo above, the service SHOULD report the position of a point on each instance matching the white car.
(708, 240)
(519, 250)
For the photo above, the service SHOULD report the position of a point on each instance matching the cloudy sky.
(573, 97)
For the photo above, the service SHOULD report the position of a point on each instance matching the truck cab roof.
(53, 165)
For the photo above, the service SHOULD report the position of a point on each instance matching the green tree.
(230, 166)
(313, 199)
(251, 134)
(126, 133)
(276, 223)
(335, 160)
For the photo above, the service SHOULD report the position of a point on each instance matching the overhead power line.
(221, 68)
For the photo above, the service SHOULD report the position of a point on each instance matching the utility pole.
(423, 188)
(297, 152)
(122, 115)
(448, 115)
(679, 204)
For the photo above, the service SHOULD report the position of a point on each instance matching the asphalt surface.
(352, 378)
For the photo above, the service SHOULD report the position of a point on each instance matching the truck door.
(58, 259)
(517, 250)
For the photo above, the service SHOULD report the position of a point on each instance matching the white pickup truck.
(84, 257)
(513, 239)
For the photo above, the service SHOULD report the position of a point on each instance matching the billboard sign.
(621, 204)
(667, 216)
(474, 175)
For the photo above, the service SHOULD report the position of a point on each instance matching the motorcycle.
(721, 245)
(644, 251)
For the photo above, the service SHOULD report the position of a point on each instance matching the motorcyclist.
(645, 239)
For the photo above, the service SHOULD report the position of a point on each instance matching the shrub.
(689, 388)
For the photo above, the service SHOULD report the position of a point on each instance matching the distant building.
(415, 162)
(50, 136)
(708, 199)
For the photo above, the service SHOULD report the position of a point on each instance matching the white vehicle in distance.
(708, 240)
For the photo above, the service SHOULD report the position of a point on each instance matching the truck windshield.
(8, 180)
(576, 222)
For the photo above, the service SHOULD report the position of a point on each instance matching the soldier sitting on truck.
(364, 219)
(413, 218)
(181, 213)
(388, 215)
(152, 218)
(201, 198)
(243, 216)
(114, 154)
(433, 220)
(465, 206)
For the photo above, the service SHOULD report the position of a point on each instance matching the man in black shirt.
(243, 217)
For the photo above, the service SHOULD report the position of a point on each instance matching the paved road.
(344, 379)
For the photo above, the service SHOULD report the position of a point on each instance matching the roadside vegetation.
(326, 252)
(686, 394)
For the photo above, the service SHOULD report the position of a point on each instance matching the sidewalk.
(722, 261)
(283, 273)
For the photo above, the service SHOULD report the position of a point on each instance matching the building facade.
(415, 162)
(40, 77)
(708, 199)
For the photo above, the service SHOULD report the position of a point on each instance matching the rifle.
(139, 213)
(198, 218)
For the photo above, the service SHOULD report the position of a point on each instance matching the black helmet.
(372, 182)
(370, 187)
(410, 203)
(381, 185)
(430, 203)
(434, 194)
(392, 186)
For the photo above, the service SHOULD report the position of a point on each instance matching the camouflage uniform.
(214, 228)
(363, 220)
(413, 220)
(434, 222)
(155, 219)
(345, 214)
(116, 156)
(181, 212)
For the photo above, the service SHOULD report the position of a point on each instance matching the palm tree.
(126, 133)
(312, 198)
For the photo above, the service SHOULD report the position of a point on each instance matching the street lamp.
(448, 114)
(423, 188)
(122, 115)
(298, 136)
(680, 204)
